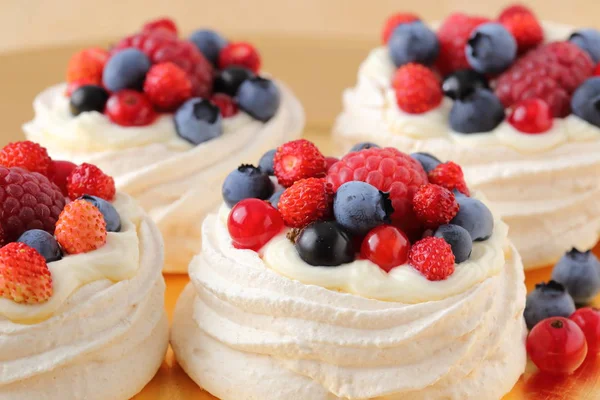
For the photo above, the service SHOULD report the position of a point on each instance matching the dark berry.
(363, 146)
(579, 273)
(585, 102)
(325, 244)
(246, 182)
(475, 217)
(548, 300)
(413, 42)
(481, 111)
(43, 242)
(109, 212)
(359, 207)
(259, 97)
(88, 98)
(463, 83)
(209, 43)
(588, 40)
(198, 120)
(126, 69)
(459, 240)
(428, 161)
(229, 80)
(491, 48)
(266, 162)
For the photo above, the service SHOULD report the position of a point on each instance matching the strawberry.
(298, 159)
(80, 228)
(241, 54)
(307, 200)
(164, 24)
(417, 89)
(450, 176)
(525, 28)
(58, 172)
(129, 107)
(432, 257)
(27, 155)
(87, 65)
(392, 23)
(89, 179)
(24, 275)
(167, 86)
(434, 205)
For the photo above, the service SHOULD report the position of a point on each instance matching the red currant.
(330, 161)
(130, 108)
(597, 70)
(252, 223)
(531, 116)
(225, 103)
(386, 246)
(241, 54)
(588, 319)
(557, 345)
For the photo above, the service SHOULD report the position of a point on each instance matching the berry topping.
(167, 86)
(259, 97)
(586, 101)
(164, 24)
(88, 98)
(210, 44)
(547, 300)
(449, 175)
(463, 83)
(459, 240)
(597, 70)
(413, 42)
(475, 217)
(130, 108)
(266, 162)
(525, 28)
(386, 246)
(42, 242)
(363, 146)
(246, 182)
(126, 69)
(109, 212)
(226, 104)
(359, 207)
(24, 275)
(579, 273)
(491, 48)
(230, 79)
(89, 179)
(557, 346)
(428, 161)
(80, 228)
(198, 121)
(531, 116)
(274, 200)
(480, 111)
(27, 155)
(241, 54)
(433, 258)
(252, 223)
(298, 159)
(417, 89)
(589, 41)
(393, 22)
(73, 86)
(588, 319)
(87, 65)
(307, 200)
(330, 161)
(434, 205)
(514, 9)
(325, 244)
(58, 172)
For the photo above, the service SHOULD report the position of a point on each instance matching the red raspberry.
(298, 159)
(165, 24)
(130, 108)
(89, 179)
(87, 65)
(240, 53)
(167, 86)
(29, 201)
(450, 176)
(432, 257)
(453, 36)
(24, 275)
(434, 205)
(58, 173)
(514, 9)
(417, 89)
(329, 161)
(307, 200)
(27, 155)
(393, 21)
(550, 72)
(525, 28)
(225, 103)
(80, 228)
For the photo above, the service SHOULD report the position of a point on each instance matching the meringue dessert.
(168, 118)
(373, 282)
(529, 138)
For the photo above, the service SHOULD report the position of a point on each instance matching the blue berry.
(109, 212)
(547, 300)
(463, 82)
(274, 199)
(198, 120)
(325, 244)
(126, 70)
(459, 240)
(428, 162)
(585, 102)
(209, 43)
(363, 146)
(246, 182)
(266, 162)
(88, 98)
(481, 111)
(359, 207)
(579, 273)
(259, 97)
(491, 48)
(43, 242)
(230, 79)
(413, 42)
(588, 40)
(475, 217)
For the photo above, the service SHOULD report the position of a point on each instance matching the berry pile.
(375, 203)
(202, 79)
(492, 69)
(38, 224)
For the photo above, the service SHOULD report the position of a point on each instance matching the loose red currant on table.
(386, 246)
(588, 319)
(225, 103)
(557, 345)
(252, 223)
(531, 116)
(241, 54)
(130, 108)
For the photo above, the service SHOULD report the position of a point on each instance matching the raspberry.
(434, 205)
(27, 155)
(225, 103)
(29, 201)
(165, 24)
(167, 86)
(130, 108)
(550, 73)
(307, 200)
(393, 21)
(87, 65)
(297, 160)
(329, 161)
(417, 89)
(24, 275)
(525, 28)
(450, 176)
(80, 228)
(241, 54)
(433, 258)
(89, 179)
(512, 10)
(58, 173)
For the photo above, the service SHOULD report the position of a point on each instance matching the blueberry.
(88, 98)
(475, 217)
(266, 162)
(481, 111)
(111, 216)
(588, 40)
(585, 102)
(548, 300)
(459, 240)
(463, 83)
(198, 120)
(579, 273)
(359, 207)
(259, 97)
(209, 43)
(413, 42)
(363, 146)
(491, 48)
(428, 161)
(274, 199)
(325, 244)
(246, 182)
(43, 242)
(230, 79)
(126, 70)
